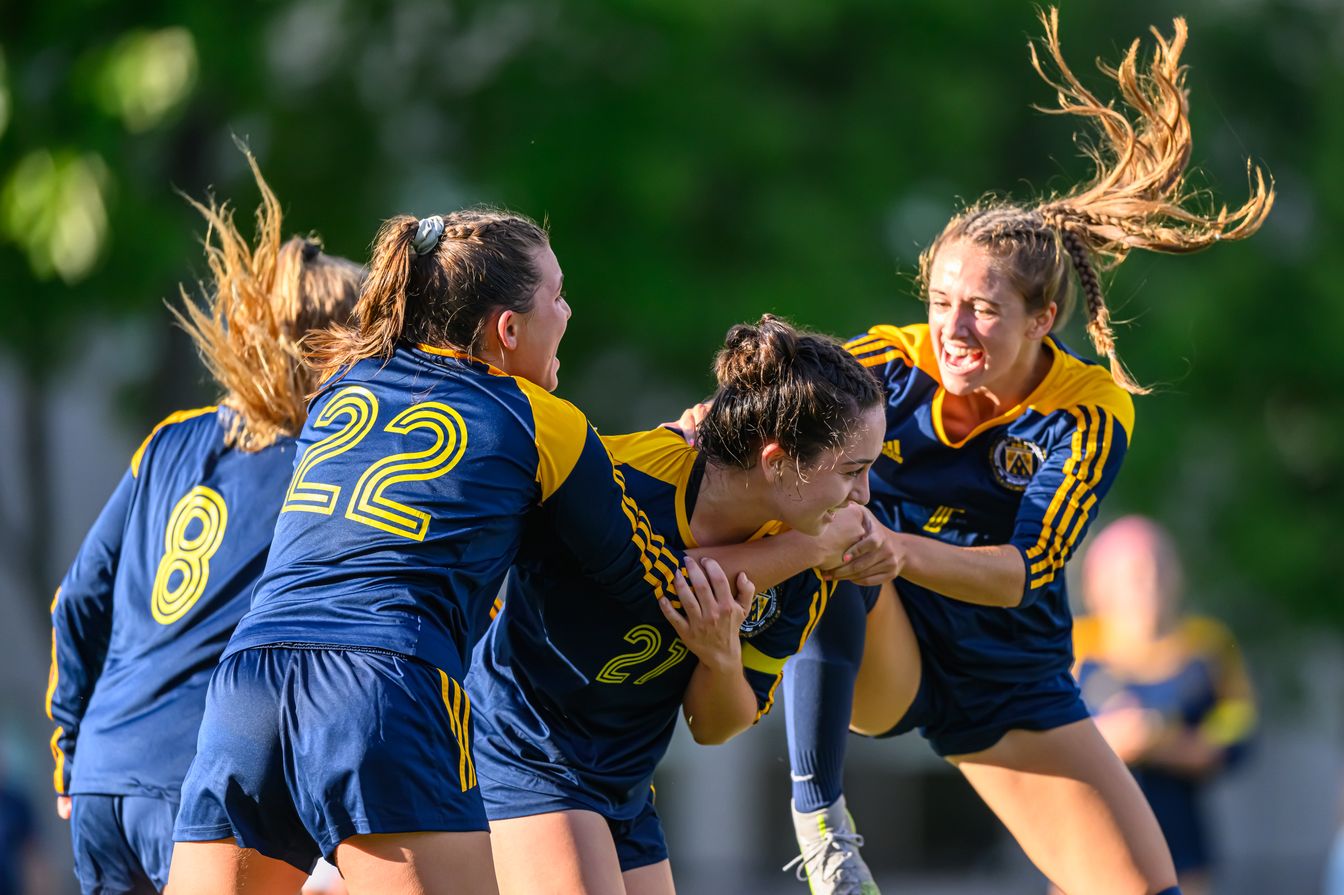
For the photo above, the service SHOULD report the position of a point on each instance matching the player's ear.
(506, 330)
(1039, 323)
(772, 459)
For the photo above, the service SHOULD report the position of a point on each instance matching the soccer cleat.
(830, 863)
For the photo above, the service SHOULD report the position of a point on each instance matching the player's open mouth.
(961, 359)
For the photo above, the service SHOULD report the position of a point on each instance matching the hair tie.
(427, 235)
(311, 249)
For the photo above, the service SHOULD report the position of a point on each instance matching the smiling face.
(806, 496)
(530, 340)
(985, 338)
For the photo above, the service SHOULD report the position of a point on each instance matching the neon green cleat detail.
(830, 863)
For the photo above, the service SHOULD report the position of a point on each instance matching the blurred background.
(701, 162)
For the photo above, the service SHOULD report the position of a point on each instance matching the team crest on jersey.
(762, 614)
(1015, 461)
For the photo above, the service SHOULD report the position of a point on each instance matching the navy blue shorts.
(958, 717)
(639, 840)
(122, 844)
(302, 748)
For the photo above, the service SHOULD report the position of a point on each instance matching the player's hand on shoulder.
(875, 558)
(712, 612)
(690, 419)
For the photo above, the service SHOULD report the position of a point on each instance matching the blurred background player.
(577, 696)
(1168, 691)
(148, 605)
(999, 447)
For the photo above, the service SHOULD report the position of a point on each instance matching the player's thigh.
(654, 879)
(434, 863)
(558, 853)
(1074, 808)
(206, 868)
(888, 678)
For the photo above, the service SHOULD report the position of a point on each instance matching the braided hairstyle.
(444, 296)
(249, 326)
(799, 389)
(1136, 199)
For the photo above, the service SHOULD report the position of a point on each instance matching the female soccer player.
(576, 703)
(1169, 692)
(1000, 444)
(142, 616)
(336, 723)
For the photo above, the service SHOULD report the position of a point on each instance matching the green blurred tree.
(702, 162)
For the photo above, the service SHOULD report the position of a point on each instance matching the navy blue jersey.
(1031, 477)
(414, 479)
(585, 700)
(1205, 688)
(142, 616)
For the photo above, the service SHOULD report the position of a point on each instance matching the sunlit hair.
(1136, 199)
(484, 262)
(776, 383)
(263, 299)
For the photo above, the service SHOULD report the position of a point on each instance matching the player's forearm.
(767, 561)
(987, 576)
(719, 704)
(1185, 752)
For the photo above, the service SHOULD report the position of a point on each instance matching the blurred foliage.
(703, 161)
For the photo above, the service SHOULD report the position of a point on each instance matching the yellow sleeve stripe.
(54, 673)
(878, 360)
(53, 677)
(819, 601)
(653, 554)
(495, 607)
(172, 418)
(758, 661)
(562, 430)
(58, 778)
(1230, 722)
(1074, 499)
(458, 704)
(865, 342)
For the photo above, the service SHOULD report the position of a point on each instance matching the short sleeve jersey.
(414, 478)
(1031, 478)
(571, 685)
(148, 605)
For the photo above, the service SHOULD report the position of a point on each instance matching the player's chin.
(813, 525)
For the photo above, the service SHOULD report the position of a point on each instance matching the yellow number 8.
(188, 556)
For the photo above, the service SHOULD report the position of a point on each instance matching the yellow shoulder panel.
(1086, 638)
(1075, 384)
(909, 343)
(170, 419)
(1208, 637)
(561, 431)
(660, 453)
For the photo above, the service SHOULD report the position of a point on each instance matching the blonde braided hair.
(1136, 199)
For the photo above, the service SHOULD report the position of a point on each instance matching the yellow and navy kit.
(1031, 478)
(337, 708)
(148, 605)
(577, 693)
(1205, 689)
(414, 478)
